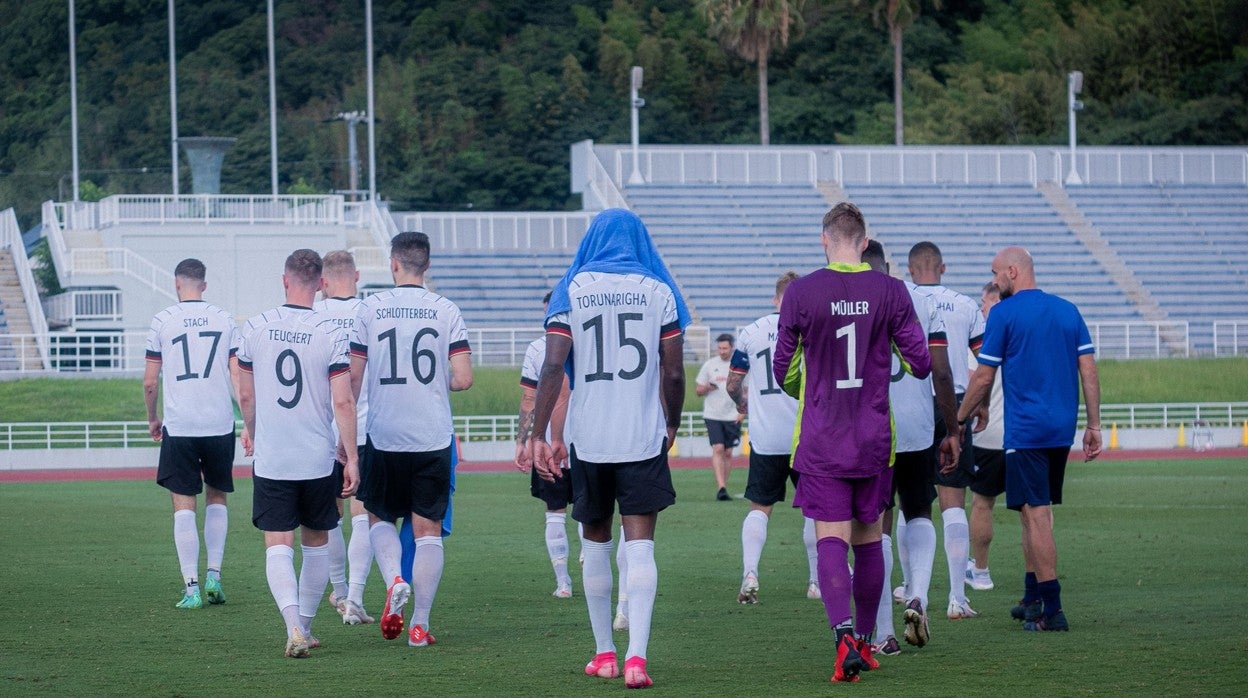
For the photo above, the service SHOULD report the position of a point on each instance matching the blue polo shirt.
(1035, 339)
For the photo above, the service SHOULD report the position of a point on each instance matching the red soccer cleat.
(635, 675)
(848, 660)
(603, 666)
(866, 652)
(392, 614)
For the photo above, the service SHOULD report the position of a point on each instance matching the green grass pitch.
(1152, 558)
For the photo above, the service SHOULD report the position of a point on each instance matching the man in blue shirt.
(1042, 346)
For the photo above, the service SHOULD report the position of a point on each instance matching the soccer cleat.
(960, 609)
(620, 622)
(392, 614)
(296, 644)
(1055, 622)
(336, 603)
(812, 590)
(749, 590)
(353, 613)
(865, 650)
(635, 675)
(916, 623)
(190, 601)
(603, 666)
(313, 642)
(889, 648)
(213, 592)
(722, 495)
(848, 660)
(417, 636)
(899, 595)
(979, 581)
(563, 591)
(1027, 612)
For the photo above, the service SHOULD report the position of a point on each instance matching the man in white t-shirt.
(199, 342)
(773, 413)
(989, 480)
(409, 350)
(619, 317)
(719, 412)
(339, 302)
(294, 389)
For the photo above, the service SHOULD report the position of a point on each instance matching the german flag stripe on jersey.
(244, 365)
(528, 382)
(336, 370)
(155, 355)
(560, 328)
(937, 339)
(360, 350)
(459, 347)
(669, 330)
(976, 343)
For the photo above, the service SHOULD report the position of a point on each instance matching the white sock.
(279, 569)
(812, 549)
(597, 582)
(921, 542)
(338, 561)
(387, 549)
(313, 576)
(557, 545)
(957, 549)
(643, 585)
(621, 563)
(186, 540)
(753, 538)
(216, 524)
(426, 574)
(884, 616)
(359, 558)
(903, 550)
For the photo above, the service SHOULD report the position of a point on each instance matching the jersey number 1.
(851, 357)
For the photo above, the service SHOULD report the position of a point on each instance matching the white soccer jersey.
(910, 399)
(717, 404)
(193, 341)
(531, 373)
(616, 324)
(292, 353)
(342, 312)
(408, 334)
(772, 412)
(993, 436)
(964, 326)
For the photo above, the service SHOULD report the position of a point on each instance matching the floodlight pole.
(173, 100)
(272, 103)
(372, 107)
(635, 105)
(73, 93)
(1074, 85)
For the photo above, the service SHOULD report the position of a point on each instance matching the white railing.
(720, 165)
(51, 435)
(120, 260)
(1140, 340)
(1120, 166)
(11, 238)
(1230, 337)
(867, 166)
(606, 192)
(78, 306)
(53, 230)
(74, 352)
(202, 208)
(500, 230)
(381, 224)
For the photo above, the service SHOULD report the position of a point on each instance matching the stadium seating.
(499, 288)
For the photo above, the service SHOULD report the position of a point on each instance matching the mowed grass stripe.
(90, 579)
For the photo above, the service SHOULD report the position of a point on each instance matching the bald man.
(1041, 345)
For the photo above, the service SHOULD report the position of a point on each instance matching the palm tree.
(897, 14)
(750, 29)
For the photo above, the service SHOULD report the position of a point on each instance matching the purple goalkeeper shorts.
(841, 499)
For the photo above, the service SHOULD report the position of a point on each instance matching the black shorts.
(989, 472)
(964, 474)
(187, 462)
(727, 434)
(395, 483)
(1034, 476)
(913, 484)
(641, 487)
(556, 494)
(285, 505)
(765, 484)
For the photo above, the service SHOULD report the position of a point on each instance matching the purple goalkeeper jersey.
(838, 327)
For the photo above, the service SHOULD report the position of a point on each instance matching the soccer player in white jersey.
(772, 416)
(339, 303)
(409, 350)
(618, 315)
(294, 389)
(199, 341)
(911, 403)
(964, 326)
(989, 468)
(555, 495)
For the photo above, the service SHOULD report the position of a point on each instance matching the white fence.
(1154, 166)
(869, 166)
(1140, 340)
(498, 230)
(11, 239)
(76, 306)
(1144, 416)
(719, 166)
(1230, 338)
(200, 208)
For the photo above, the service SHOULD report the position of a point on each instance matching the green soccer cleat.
(191, 600)
(212, 590)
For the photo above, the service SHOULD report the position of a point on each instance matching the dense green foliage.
(479, 101)
(1145, 548)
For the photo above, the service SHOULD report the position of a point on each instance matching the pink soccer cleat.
(603, 666)
(635, 675)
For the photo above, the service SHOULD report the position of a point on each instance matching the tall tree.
(751, 29)
(897, 16)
